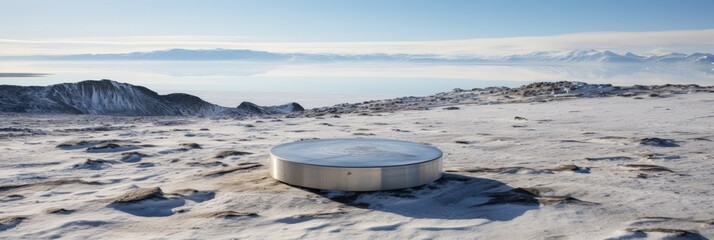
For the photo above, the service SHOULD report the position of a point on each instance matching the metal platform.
(355, 164)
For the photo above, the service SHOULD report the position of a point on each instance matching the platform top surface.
(356, 152)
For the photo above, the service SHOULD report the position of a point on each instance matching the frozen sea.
(312, 84)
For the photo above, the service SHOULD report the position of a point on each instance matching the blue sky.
(389, 26)
(334, 20)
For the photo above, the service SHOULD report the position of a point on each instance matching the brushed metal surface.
(356, 152)
(345, 176)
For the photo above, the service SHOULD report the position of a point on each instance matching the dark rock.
(92, 164)
(139, 194)
(207, 164)
(363, 134)
(132, 156)
(229, 153)
(191, 145)
(658, 142)
(648, 168)
(530, 196)
(58, 211)
(228, 214)
(245, 166)
(81, 144)
(612, 158)
(570, 167)
(145, 165)
(678, 233)
(10, 222)
(12, 197)
(51, 183)
(252, 108)
(110, 147)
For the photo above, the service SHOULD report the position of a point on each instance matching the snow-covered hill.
(106, 97)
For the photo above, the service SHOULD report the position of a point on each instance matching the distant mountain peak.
(606, 56)
(220, 54)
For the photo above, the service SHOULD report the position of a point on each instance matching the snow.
(504, 179)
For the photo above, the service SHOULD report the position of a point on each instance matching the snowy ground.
(596, 168)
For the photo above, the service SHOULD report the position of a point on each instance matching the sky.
(498, 27)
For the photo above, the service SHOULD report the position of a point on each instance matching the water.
(320, 84)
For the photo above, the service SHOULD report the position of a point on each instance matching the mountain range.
(576, 56)
(605, 56)
(106, 97)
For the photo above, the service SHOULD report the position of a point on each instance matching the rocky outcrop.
(106, 97)
(533, 92)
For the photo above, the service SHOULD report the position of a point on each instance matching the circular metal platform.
(355, 164)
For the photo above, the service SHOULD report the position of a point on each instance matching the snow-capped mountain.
(574, 56)
(231, 55)
(180, 55)
(605, 56)
(680, 57)
(555, 57)
(106, 97)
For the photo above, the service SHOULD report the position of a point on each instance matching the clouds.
(636, 42)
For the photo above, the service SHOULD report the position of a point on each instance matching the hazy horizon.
(641, 43)
(485, 28)
(443, 30)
